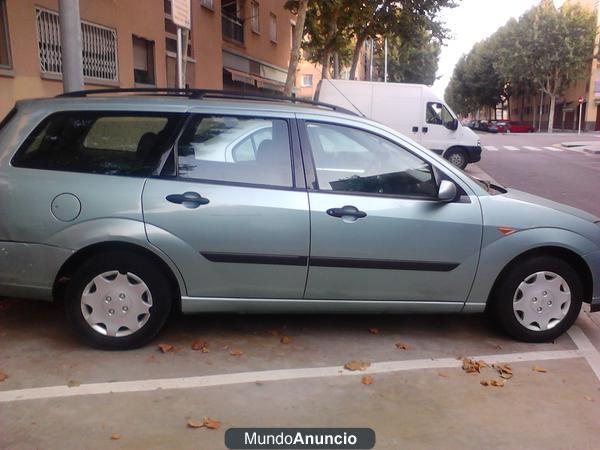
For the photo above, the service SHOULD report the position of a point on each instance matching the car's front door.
(232, 217)
(439, 134)
(377, 231)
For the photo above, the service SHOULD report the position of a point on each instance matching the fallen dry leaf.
(472, 366)
(539, 369)
(236, 352)
(495, 383)
(402, 346)
(356, 365)
(374, 330)
(166, 348)
(497, 346)
(3, 376)
(273, 332)
(195, 423)
(588, 398)
(504, 370)
(211, 424)
(442, 374)
(200, 345)
(115, 436)
(366, 380)
(73, 383)
(285, 340)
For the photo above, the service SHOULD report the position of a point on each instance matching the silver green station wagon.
(128, 206)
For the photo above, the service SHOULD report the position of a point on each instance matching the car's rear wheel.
(457, 157)
(118, 300)
(538, 299)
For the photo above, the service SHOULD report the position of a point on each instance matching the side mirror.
(452, 125)
(447, 191)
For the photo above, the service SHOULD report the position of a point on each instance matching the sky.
(470, 22)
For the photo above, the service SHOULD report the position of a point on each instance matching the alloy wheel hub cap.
(541, 301)
(116, 304)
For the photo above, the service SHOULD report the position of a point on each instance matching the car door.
(377, 230)
(438, 133)
(234, 219)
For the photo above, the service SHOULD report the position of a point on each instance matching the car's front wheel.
(118, 300)
(457, 157)
(538, 299)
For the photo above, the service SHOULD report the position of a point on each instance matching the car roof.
(178, 102)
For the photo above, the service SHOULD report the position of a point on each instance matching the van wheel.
(457, 157)
(538, 299)
(118, 300)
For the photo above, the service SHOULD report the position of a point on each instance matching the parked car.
(112, 203)
(500, 126)
(483, 125)
(520, 127)
(414, 110)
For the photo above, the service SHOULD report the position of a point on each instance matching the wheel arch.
(563, 253)
(64, 274)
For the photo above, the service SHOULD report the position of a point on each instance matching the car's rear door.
(231, 212)
(377, 231)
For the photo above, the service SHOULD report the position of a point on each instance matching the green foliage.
(411, 61)
(342, 26)
(546, 48)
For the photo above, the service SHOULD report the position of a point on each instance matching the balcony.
(232, 29)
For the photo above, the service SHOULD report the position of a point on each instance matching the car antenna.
(342, 94)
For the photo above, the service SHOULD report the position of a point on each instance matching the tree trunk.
(290, 80)
(336, 65)
(521, 115)
(326, 63)
(551, 115)
(360, 40)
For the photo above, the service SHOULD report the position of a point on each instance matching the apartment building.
(233, 44)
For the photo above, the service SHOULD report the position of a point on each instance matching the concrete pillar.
(71, 45)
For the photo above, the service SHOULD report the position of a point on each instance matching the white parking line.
(511, 148)
(585, 346)
(283, 374)
(553, 149)
(533, 149)
(491, 148)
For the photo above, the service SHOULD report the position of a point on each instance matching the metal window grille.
(99, 47)
(208, 3)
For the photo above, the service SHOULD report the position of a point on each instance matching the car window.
(352, 160)
(99, 142)
(236, 149)
(438, 114)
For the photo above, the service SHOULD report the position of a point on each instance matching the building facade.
(232, 44)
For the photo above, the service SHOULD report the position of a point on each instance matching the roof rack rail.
(205, 93)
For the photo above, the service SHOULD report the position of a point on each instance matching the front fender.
(496, 255)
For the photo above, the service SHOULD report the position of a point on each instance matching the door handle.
(415, 129)
(425, 129)
(347, 211)
(188, 199)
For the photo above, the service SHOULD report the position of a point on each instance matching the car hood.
(541, 201)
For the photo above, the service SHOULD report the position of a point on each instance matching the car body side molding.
(317, 261)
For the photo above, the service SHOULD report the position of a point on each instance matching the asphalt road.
(526, 162)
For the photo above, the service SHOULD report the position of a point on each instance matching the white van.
(411, 109)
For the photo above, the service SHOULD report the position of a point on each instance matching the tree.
(557, 47)
(400, 20)
(295, 50)
(412, 61)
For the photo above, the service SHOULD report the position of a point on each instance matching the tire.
(126, 284)
(458, 157)
(538, 282)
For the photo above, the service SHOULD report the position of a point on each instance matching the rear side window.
(236, 150)
(107, 143)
